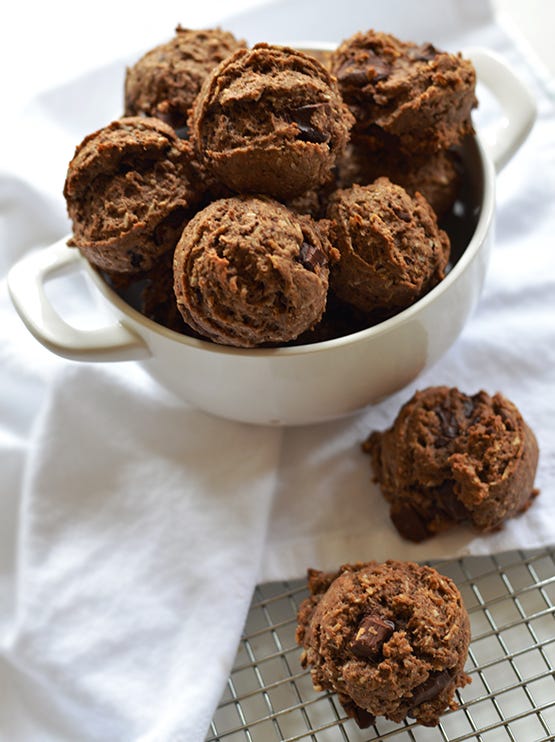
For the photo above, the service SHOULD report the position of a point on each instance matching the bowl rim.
(476, 242)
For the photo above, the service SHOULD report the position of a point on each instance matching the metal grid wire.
(510, 598)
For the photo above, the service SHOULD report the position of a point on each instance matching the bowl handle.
(26, 281)
(518, 104)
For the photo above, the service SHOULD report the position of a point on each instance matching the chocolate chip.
(450, 503)
(352, 74)
(431, 687)
(135, 258)
(312, 135)
(125, 167)
(311, 256)
(423, 53)
(372, 632)
(366, 68)
(379, 75)
(468, 407)
(302, 116)
(363, 718)
(409, 522)
(402, 214)
(449, 423)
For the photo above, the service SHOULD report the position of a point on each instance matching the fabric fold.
(139, 549)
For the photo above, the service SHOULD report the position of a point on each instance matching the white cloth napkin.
(138, 555)
(134, 528)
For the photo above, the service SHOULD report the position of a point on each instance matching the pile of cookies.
(266, 196)
(263, 196)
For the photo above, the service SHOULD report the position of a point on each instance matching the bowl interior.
(462, 220)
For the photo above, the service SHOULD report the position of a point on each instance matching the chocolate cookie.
(248, 271)
(270, 120)
(417, 95)
(166, 80)
(450, 457)
(392, 251)
(129, 191)
(390, 639)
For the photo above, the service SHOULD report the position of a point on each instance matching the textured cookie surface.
(450, 457)
(416, 94)
(167, 79)
(129, 189)
(248, 271)
(391, 639)
(270, 120)
(392, 250)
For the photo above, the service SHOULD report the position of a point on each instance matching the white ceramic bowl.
(310, 383)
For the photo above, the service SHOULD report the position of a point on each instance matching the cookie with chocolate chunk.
(392, 250)
(412, 96)
(390, 639)
(450, 458)
(270, 120)
(130, 188)
(249, 272)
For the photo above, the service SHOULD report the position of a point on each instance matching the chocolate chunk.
(352, 74)
(431, 687)
(450, 503)
(468, 405)
(311, 256)
(449, 424)
(402, 214)
(423, 53)
(380, 74)
(302, 116)
(363, 718)
(366, 68)
(135, 258)
(408, 522)
(372, 632)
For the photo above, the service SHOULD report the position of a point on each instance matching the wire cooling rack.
(510, 598)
